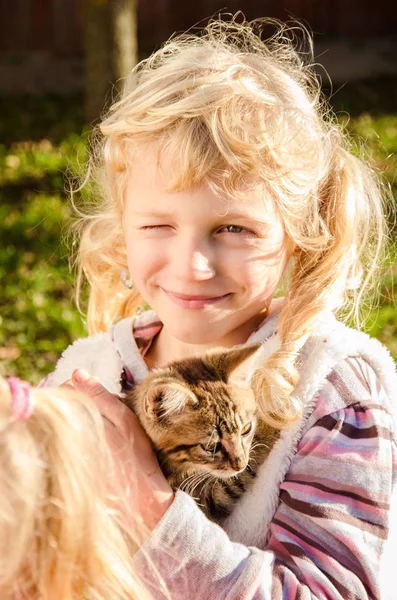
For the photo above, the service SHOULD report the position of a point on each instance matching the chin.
(196, 335)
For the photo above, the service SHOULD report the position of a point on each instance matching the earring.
(126, 280)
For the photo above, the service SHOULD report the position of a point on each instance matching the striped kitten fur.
(201, 416)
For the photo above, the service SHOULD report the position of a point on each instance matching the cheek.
(267, 268)
(262, 275)
(144, 260)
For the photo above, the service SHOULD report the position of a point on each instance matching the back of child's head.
(58, 538)
(229, 110)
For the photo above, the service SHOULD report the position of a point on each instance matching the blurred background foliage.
(43, 139)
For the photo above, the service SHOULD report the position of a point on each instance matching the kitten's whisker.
(164, 462)
(194, 482)
(216, 482)
(184, 486)
(188, 480)
(182, 476)
(209, 443)
(258, 445)
(201, 480)
(191, 480)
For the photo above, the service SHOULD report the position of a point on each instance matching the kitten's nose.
(238, 463)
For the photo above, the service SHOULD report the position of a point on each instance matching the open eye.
(246, 429)
(234, 229)
(211, 449)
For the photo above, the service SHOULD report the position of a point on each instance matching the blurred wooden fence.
(55, 26)
(50, 25)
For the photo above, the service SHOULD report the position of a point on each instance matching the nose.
(238, 462)
(193, 263)
(236, 453)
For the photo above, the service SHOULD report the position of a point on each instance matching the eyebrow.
(242, 215)
(228, 216)
(151, 213)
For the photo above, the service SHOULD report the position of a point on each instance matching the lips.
(190, 297)
(193, 302)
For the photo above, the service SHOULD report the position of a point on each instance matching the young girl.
(223, 177)
(58, 538)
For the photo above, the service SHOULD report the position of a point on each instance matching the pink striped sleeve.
(332, 522)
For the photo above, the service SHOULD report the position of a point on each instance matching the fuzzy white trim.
(97, 355)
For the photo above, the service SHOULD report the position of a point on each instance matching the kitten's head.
(201, 412)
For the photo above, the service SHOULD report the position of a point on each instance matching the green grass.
(43, 138)
(382, 321)
(368, 111)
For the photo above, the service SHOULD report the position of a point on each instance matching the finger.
(68, 384)
(108, 404)
(88, 383)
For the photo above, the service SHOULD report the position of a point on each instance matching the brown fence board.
(67, 27)
(41, 30)
(15, 25)
(56, 25)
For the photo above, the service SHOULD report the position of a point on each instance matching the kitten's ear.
(241, 363)
(166, 398)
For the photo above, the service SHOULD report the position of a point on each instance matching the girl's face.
(207, 266)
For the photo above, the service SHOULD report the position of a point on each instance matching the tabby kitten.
(201, 416)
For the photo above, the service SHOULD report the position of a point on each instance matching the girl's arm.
(328, 532)
(138, 474)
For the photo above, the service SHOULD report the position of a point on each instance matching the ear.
(166, 398)
(241, 363)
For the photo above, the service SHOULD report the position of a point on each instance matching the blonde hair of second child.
(60, 537)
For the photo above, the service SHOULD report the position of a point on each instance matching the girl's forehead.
(200, 201)
(148, 180)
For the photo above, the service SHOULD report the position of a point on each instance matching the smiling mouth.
(195, 302)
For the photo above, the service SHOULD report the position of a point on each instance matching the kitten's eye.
(214, 449)
(246, 429)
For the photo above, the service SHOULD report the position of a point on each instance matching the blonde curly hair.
(60, 538)
(227, 106)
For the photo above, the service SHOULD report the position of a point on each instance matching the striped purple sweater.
(328, 532)
(330, 527)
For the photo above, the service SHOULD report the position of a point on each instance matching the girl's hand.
(140, 479)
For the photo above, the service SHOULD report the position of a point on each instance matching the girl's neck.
(165, 348)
